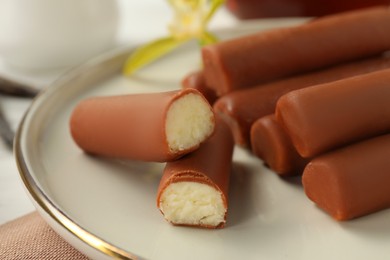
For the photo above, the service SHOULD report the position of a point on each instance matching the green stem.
(150, 52)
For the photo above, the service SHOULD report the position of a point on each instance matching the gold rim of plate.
(37, 194)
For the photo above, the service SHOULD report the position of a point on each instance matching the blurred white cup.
(43, 34)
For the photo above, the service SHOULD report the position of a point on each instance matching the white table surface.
(140, 21)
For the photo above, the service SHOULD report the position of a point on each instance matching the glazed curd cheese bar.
(255, 59)
(148, 127)
(270, 143)
(324, 117)
(194, 189)
(352, 181)
(242, 108)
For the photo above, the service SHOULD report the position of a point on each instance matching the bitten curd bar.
(194, 189)
(148, 127)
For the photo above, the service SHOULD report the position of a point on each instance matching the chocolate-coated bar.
(352, 181)
(241, 108)
(194, 189)
(255, 9)
(197, 81)
(265, 56)
(270, 143)
(149, 127)
(327, 116)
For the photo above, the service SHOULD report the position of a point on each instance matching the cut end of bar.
(193, 204)
(214, 71)
(190, 121)
(224, 108)
(321, 184)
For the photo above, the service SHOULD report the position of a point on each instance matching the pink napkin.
(29, 237)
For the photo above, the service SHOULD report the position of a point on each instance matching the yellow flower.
(190, 21)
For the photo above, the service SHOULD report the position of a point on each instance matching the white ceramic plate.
(107, 208)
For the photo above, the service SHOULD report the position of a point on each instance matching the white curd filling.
(189, 122)
(192, 203)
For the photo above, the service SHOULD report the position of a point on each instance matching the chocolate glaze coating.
(252, 9)
(197, 81)
(352, 181)
(242, 108)
(265, 56)
(127, 126)
(270, 143)
(327, 116)
(210, 164)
